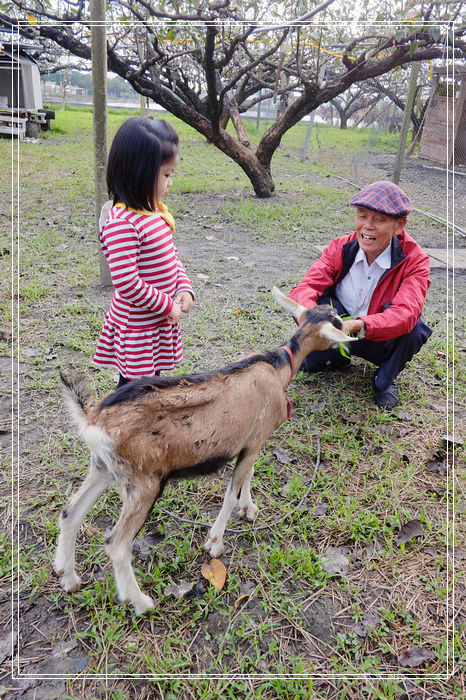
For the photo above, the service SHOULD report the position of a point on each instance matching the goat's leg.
(98, 479)
(137, 502)
(214, 543)
(247, 509)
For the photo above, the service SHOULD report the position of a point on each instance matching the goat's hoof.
(248, 512)
(70, 582)
(143, 604)
(214, 547)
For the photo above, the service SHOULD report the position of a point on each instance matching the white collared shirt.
(356, 288)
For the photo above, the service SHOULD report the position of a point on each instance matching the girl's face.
(164, 178)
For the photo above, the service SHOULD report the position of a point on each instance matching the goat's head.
(322, 322)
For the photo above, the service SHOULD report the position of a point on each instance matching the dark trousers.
(390, 356)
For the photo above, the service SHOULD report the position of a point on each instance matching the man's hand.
(352, 326)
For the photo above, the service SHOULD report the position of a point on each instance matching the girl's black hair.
(134, 162)
(168, 138)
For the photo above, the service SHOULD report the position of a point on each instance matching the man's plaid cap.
(383, 197)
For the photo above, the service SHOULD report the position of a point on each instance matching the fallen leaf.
(232, 257)
(7, 644)
(62, 650)
(368, 621)
(458, 553)
(404, 415)
(241, 311)
(245, 592)
(90, 530)
(452, 440)
(200, 276)
(99, 573)
(320, 510)
(415, 657)
(433, 465)
(356, 418)
(442, 354)
(5, 334)
(144, 546)
(334, 561)
(435, 492)
(285, 490)
(4, 429)
(435, 407)
(408, 531)
(179, 591)
(283, 456)
(210, 238)
(215, 572)
(315, 407)
(30, 352)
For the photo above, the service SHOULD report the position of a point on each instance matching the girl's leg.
(123, 380)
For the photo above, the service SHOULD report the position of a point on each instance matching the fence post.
(405, 124)
(99, 111)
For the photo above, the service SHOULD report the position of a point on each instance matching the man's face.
(375, 231)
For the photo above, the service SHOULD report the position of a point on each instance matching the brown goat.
(154, 429)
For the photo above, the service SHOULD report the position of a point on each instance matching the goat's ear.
(327, 330)
(288, 304)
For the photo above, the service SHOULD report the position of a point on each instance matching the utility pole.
(99, 103)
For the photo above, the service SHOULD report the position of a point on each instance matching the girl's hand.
(175, 314)
(185, 300)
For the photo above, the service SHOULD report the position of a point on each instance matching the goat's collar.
(290, 355)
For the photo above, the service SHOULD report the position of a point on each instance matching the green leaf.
(344, 349)
(413, 47)
(434, 32)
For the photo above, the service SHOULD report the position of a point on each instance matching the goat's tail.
(78, 398)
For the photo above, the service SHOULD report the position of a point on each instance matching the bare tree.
(352, 102)
(206, 61)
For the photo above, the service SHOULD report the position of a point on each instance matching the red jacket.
(404, 285)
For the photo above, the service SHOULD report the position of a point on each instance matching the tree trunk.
(257, 170)
(343, 120)
(261, 180)
(233, 111)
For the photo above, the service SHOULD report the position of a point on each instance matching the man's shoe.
(388, 399)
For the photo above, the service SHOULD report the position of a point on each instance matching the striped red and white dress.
(147, 274)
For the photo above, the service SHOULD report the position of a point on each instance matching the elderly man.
(379, 276)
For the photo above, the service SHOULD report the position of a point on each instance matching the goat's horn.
(288, 304)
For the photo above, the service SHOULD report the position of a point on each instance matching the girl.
(141, 335)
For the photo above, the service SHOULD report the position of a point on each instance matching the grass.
(294, 633)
